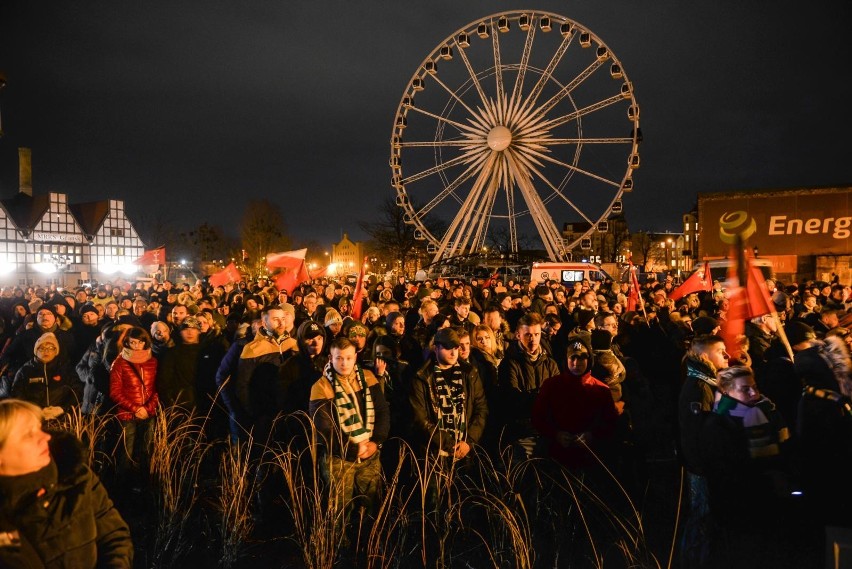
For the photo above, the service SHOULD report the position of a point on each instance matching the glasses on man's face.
(47, 348)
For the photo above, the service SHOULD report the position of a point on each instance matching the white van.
(567, 273)
(719, 268)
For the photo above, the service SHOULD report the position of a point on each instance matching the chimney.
(25, 171)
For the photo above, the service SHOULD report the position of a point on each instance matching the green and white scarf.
(346, 403)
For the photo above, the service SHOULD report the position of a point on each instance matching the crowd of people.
(541, 369)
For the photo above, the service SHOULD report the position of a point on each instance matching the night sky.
(187, 109)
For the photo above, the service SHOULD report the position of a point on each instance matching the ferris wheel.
(514, 123)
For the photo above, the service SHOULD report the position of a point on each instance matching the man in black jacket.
(448, 400)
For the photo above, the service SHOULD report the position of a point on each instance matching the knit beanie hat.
(332, 317)
(46, 338)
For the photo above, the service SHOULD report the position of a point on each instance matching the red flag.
(318, 273)
(700, 280)
(634, 299)
(153, 257)
(490, 279)
(289, 279)
(229, 274)
(286, 260)
(745, 301)
(357, 301)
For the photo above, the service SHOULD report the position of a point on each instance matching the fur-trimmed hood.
(826, 365)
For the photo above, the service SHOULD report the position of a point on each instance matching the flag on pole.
(290, 278)
(153, 257)
(229, 274)
(318, 273)
(747, 295)
(634, 298)
(286, 260)
(491, 279)
(698, 281)
(357, 300)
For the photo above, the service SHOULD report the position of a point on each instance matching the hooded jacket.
(575, 404)
(63, 516)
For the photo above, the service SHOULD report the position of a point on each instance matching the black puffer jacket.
(72, 524)
(520, 379)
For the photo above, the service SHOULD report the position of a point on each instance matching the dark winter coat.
(422, 400)
(520, 379)
(54, 384)
(72, 524)
(694, 405)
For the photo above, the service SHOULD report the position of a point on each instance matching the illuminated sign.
(791, 222)
(60, 237)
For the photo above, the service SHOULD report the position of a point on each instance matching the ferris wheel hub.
(499, 138)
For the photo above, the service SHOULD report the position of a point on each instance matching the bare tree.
(643, 244)
(207, 243)
(262, 231)
(391, 239)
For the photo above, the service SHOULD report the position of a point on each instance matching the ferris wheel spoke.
(515, 100)
(543, 221)
(498, 69)
(462, 143)
(482, 123)
(573, 84)
(450, 188)
(467, 129)
(557, 191)
(547, 74)
(435, 169)
(553, 123)
(464, 213)
(545, 141)
(573, 168)
(473, 76)
(488, 206)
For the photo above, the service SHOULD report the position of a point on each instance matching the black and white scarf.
(449, 399)
(349, 414)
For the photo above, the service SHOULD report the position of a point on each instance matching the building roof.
(90, 215)
(24, 210)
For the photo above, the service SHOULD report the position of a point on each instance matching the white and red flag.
(229, 274)
(152, 257)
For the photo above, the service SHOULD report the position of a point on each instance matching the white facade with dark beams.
(46, 240)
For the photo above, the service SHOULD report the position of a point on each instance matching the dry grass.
(91, 430)
(179, 447)
(235, 498)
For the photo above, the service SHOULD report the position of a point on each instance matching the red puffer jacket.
(133, 384)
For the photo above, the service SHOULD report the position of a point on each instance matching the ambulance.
(567, 273)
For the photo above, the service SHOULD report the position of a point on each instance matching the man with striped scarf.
(352, 420)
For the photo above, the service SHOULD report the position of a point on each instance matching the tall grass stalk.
(236, 491)
(318, 516)
(91, 430)
(179, 447)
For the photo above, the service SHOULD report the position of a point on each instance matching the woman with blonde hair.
(54, 512)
